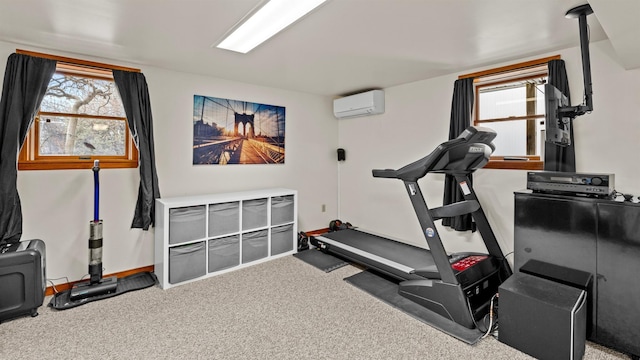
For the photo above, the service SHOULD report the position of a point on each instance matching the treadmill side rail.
(324, 241)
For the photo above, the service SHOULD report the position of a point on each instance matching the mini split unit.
(366, 103)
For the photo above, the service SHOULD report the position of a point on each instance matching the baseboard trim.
(67, 286)
(317, 232)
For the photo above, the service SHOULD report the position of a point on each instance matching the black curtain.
(137, 105)
(461, 110)
(560, 158)
(25, 82)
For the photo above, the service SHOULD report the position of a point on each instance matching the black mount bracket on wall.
(581, 13)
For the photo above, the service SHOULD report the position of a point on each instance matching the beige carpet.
(281, 309)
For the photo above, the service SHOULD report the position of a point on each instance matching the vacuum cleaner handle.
(96, 191)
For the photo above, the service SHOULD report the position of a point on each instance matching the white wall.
(417, 120)
(58, 205)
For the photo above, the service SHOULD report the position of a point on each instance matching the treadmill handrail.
(475, 139)
(385, 173)
(455, 209)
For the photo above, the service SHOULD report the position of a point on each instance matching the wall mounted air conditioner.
(366, 103)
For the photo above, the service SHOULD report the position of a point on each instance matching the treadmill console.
(479, 276)
(468, 262)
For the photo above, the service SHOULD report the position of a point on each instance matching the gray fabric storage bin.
(281, 209)
(254, 214)
(224, 218)
(224, 253)
(255, 245)
(186, 224)
(281, 239)
(187, 262)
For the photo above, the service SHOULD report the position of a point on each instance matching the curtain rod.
(76, 61)
(507, 68)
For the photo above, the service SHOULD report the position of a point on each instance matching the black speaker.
(341, 155)
(567, 276)
(543, 318)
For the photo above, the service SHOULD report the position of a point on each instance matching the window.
(81, 119)
(510, 100)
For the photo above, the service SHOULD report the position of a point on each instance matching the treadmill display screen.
(468, 262)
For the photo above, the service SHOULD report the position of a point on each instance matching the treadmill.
(458, 286)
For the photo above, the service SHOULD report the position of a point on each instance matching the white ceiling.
(342, 47)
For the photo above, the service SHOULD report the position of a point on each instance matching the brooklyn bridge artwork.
(237, 132)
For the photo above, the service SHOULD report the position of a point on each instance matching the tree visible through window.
(81, 119)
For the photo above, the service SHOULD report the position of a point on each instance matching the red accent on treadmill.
(468, 262)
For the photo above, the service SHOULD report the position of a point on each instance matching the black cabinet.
(598, 236)
(618, 261)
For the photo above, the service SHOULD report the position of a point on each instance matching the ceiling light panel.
(272, 18)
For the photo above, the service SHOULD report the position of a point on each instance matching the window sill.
(76, 164)
(515, 164)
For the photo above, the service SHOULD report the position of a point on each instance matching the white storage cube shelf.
(197, 237)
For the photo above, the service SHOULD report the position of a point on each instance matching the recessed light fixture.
(273, 17)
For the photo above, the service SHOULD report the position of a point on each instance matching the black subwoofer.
(543, 318)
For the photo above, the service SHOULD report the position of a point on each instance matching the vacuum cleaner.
(96, 285)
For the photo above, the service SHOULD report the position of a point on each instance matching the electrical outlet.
(324, 207)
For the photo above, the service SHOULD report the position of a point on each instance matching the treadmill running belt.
(408, 255)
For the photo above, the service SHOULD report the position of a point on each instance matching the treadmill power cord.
(490, 316)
